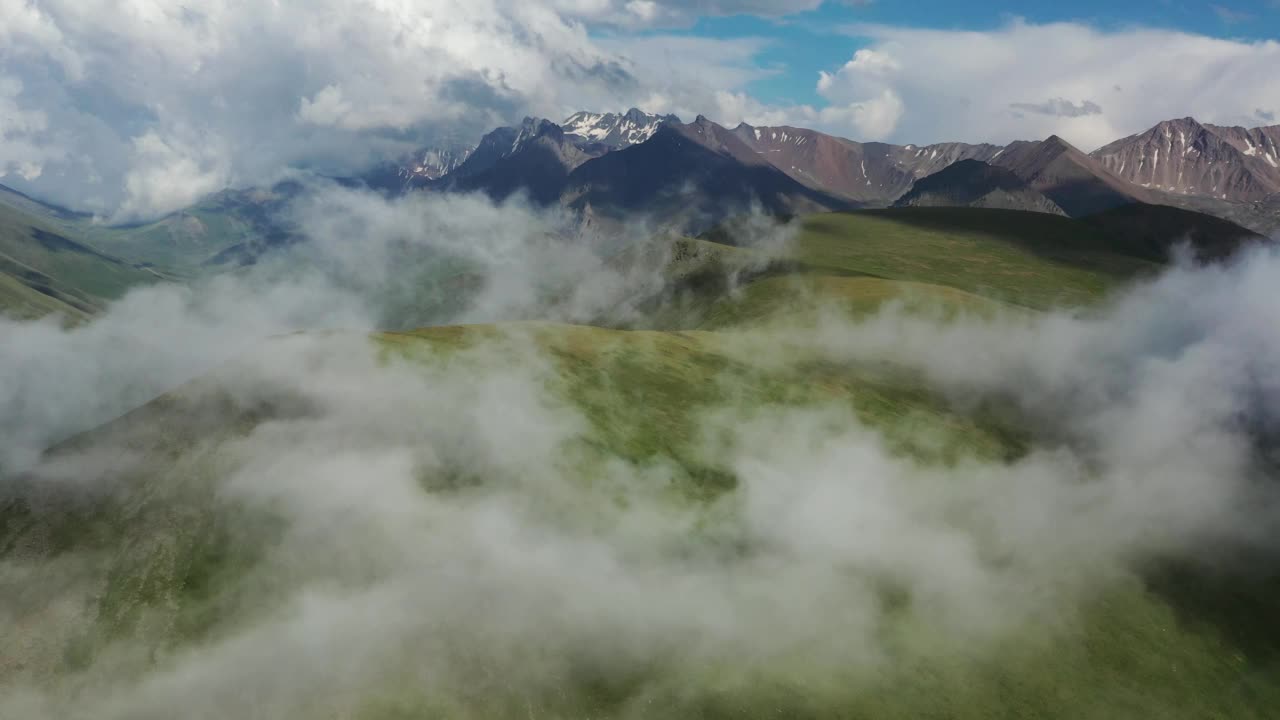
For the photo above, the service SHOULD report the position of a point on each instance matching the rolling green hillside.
(44, 270)
(52, 260)
(220, 232)
(112, 598)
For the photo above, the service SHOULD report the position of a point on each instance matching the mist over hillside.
(409, 359)
(467, 518)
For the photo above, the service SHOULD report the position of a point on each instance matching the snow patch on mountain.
(614, 130)
(433, 163)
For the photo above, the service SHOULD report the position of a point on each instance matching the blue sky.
(802, 45)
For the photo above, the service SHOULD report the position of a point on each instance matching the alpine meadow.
(415, 359)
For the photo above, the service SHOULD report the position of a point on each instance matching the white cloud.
(169, 170)
(873, 119)
(110, 105)
(649, 13)
(1029, 81)
(133, 110)
(22, 151)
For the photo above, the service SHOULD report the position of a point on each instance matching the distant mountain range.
(1180, 180)
(692, 175)
(638, 167)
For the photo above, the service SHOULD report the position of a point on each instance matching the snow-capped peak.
(615, 130)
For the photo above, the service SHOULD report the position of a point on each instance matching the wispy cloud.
(1060, 107)
(1231, 16)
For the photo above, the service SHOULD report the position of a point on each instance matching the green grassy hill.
(28, 295)
(117, 590)
(973, 258)
(44, 270)
(220, 232)
(55, 261)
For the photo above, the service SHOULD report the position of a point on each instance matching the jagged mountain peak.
(638, 115)
(532, 128)
(974, 183)
(418, 168)
(1184, 122)
(1186, 157)
(1058, 144)
(615, 130)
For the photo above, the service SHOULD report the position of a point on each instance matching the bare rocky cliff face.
(1075, 182)
(1185, 157)
(866, 173)
(615, 130)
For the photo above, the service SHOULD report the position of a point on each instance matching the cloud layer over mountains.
(136, 109)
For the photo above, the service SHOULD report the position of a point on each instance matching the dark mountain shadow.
(1151, 232)
(1138, 231)
(539, 170)
(675, 177)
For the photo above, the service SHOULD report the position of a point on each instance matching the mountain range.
(634, 167)
(692, 175)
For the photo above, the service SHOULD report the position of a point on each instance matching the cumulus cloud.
(980, 85)
(688, 76)
(133, 110)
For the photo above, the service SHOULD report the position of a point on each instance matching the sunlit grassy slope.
(174, 564)
(1024, 258)
(967, 258)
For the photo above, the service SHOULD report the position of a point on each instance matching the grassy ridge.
(1029, 259)
(972, 259)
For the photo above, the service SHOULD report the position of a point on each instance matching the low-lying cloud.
(449, 531)
(367, 263)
